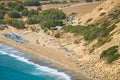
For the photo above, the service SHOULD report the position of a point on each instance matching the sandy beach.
(58, 57)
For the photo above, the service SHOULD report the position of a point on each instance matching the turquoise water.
(17, 66)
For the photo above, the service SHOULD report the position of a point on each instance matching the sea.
(15, 65)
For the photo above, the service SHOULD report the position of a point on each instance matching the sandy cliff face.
(96, 14)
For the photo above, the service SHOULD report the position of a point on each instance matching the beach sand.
(57, 57)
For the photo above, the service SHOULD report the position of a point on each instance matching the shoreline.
(59, 62)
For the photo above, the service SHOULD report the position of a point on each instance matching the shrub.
(90, 19)
(90, 32)
(89, 0)
(33, 12)
(100, 9)
(39, 9)
(1, 6)
(113, 16)
(102, 14)
(2, 28)
(2, 21)
(111, 54)
(57, 35)
(68, 28)
(11, 4)
(51, 17)
(33, 20)
(19, 7)
(25, 12)
(97, 0)
(77, 41)
(2, 14)
(53, 23)
(53, 14)
(17, 24)
(14, 14)
(32, 3)
(113, 58)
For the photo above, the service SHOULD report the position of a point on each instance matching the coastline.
(58, 59)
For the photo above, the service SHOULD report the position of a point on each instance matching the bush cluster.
(111, 54)
(32, 3)
(17, 24)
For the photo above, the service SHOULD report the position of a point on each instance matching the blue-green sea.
(15, 65)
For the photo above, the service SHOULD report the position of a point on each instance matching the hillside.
(68, 8)
(95, 41)
(96, 14)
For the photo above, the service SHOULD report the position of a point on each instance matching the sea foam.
(54, 72)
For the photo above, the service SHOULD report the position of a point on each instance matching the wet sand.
(58, 58)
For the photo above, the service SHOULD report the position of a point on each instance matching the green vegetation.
(57, 35)
(14, 14)
(90, 19)
(25, 12)
(33, 12)
(90, 32)
(2, 7)
(33, 20)
(48, 18)
(100, 9)
(32, 3)
(53, 23)
(39, 9)
(57, 2)
(115, 14)
(51, 18)
(2, 11)
(74, 0)
(53, 14)
(2, 14)
(2, 28)
(77, 41)
(17, 24)
(19, 7)
(89, 0)
(73, 14)
(2, 21)
(100, 30)
(97, 0)
(111, 54)
(11, 4)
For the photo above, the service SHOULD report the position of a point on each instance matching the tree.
(97, 0)
(33, 20)
(17, 24)
(11, 4)
(57, 35)
(33, 12)
(19, 7)
(51, 18)
(89, 0)
(25, 12)
(14, 14)
(39, 9)
(53, 14)
(32, 3)
(2, 14)
(53, 23)
(1, 6)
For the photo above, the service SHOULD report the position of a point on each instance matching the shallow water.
(15, 65)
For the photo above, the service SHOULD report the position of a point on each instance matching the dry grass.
(79, 8)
